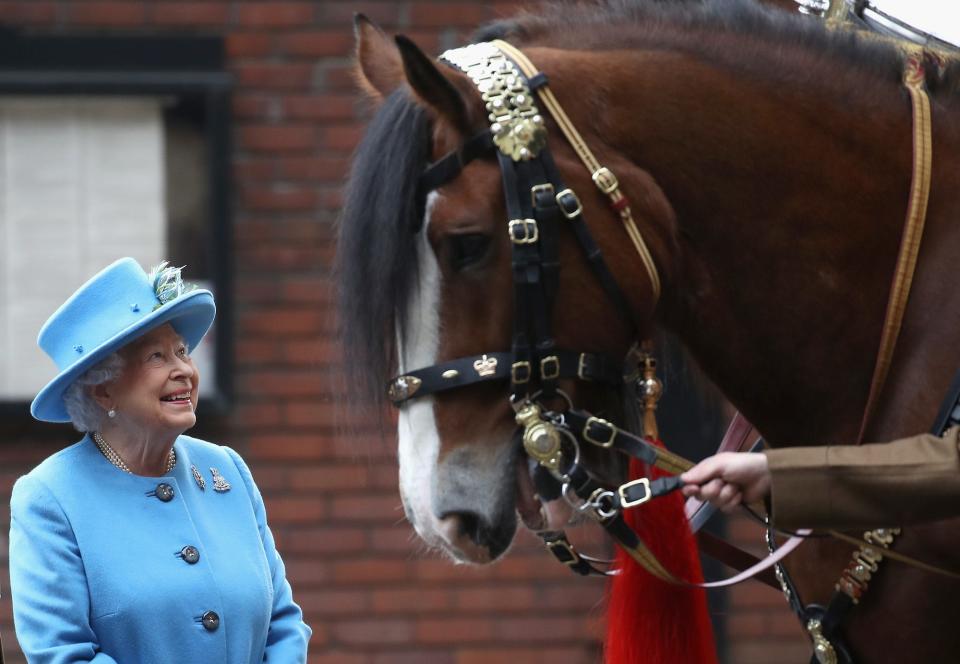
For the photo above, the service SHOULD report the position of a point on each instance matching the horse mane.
(377, 253)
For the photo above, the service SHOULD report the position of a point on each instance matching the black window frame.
(186, 67)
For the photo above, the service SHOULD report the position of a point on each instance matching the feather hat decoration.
(168, 283)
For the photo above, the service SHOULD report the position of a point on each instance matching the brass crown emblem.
(486, 366)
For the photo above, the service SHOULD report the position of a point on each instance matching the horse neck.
(789, 201)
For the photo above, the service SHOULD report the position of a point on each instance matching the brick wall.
(372, 595)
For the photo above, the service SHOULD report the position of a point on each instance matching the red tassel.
(650, 621)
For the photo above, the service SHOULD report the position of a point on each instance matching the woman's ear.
(102, 394)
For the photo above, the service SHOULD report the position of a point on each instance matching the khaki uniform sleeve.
(905, 482)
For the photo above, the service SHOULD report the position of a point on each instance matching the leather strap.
(605, 180)
(913, 80)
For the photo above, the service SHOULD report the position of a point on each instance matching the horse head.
(426, 278)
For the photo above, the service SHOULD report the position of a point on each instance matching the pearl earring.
(111, 413)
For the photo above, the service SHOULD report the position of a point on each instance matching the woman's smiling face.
(157, 392)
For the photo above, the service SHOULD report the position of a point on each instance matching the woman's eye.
(156, 355)
(465, 250)
(182, 352)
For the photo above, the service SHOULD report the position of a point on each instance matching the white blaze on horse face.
(419, 439)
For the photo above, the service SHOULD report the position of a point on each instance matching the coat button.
(190, 554)
(164, 492)
(210, 620)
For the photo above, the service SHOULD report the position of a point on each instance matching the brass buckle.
(581, 367)
(625, 502)
(529, 233)
(550, 367)
(536, 189)
(515, 374)
(603, 423)
(563, 208)
(564, 545)
(605, 180)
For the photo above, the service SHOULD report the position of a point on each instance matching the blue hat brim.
(191, 315)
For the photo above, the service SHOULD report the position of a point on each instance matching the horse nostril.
(493, 537)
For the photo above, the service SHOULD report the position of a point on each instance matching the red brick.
(279, 199)
(455, 630)
(278, 138)
(447, 14)
(248, 44)
(414, 657)
(333, 603)
(322, 168)
(318, 44)
(278, 383)
(573, 655)
(327, 540)
(384, 14)
(370, 571)
(255, 106)
(284, 321)
(276, 14)
(288, 447)
(22, 13)
(369, 508)
(115, 14)
(552, 630)
(320, 107)
(338, 77)
(274, 75)
(294, 510)
(338, 657)
(328, 477)
(410, 600)
(258, 416)
(498, 598)
(191, 14)
(373, 632)
(254, 169)
(343, 138)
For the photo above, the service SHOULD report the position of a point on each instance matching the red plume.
(650, 621)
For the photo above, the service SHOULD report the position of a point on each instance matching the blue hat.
(116, 306)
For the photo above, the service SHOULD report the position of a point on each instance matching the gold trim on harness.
(515, 120)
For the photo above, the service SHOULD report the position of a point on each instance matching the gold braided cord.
(586, 156)
(649, 562)
(912, 233)
(893, 555)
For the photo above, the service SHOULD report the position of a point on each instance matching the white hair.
(85, 413)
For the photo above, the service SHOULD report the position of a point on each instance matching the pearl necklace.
(114, 458)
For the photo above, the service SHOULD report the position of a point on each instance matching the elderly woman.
(140, 544)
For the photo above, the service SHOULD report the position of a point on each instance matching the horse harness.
(538, 203)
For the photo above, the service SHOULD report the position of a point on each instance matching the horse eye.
(465, 250)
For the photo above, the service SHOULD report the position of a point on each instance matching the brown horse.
(769, 166)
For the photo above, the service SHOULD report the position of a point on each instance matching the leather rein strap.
(914, 81)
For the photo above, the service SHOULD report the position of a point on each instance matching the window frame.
(184, 67)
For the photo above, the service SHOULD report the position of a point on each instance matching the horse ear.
(432, 87)
(379, 67)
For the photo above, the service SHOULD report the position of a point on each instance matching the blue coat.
(99, 571)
